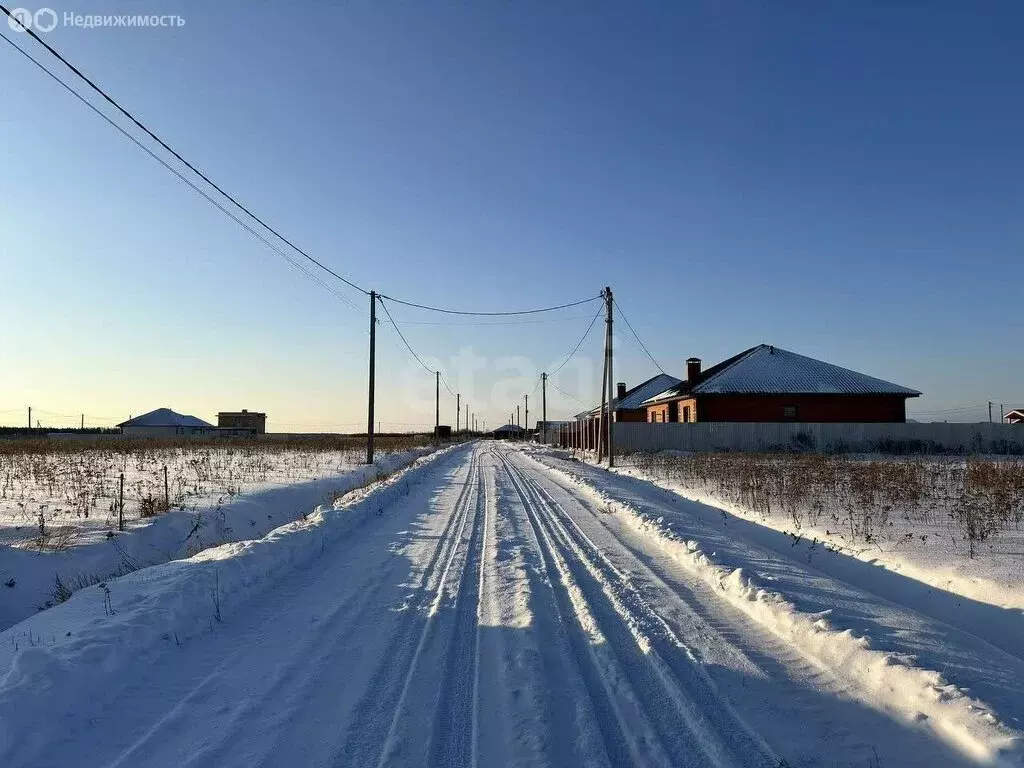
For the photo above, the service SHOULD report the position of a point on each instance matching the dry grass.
(52, 489)
(866, 500)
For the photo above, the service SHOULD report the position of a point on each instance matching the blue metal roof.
(765, 370)
(635, 397)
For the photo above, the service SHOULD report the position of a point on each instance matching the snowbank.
(29, 579)
(65, 652)
(930, 557)
(920, 695)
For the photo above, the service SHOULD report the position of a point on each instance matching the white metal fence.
(888, 438)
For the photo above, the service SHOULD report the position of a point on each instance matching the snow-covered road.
(496, 612)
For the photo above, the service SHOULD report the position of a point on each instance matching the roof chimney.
(620, 390)
(692, 369)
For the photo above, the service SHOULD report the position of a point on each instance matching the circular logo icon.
(20, 19)
(45, 19)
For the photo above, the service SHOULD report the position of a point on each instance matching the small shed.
(1016, 416)
(163, 422)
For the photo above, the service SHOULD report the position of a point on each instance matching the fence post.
(167, 495)
(120, 504)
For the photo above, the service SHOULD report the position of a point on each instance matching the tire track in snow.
(873, 679)
(538, 708)
(797, 679)
(692, 722)
(716, 717)
(631, 737)
(149, 733)
(364, 744)
(454, 725)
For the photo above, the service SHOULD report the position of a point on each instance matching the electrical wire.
(571, 397)
(982, 407)
(181, 159)
(578, 345)
(426, 367)
(635, 336)
(177, 173)
(490, 314)
(445, 382)
(138, 123)
(496, 323)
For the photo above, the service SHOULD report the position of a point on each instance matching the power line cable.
(572, 397)
(490, 314)
(177, 173)
(578, 344)
(181, 159)
(110, 100)
(635, 336)
(495, 323)
(426, 367)
(961, 409)
(445, 382)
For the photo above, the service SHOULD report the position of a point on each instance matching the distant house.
(628, 404)
(255, 423)
(509, 432)
(163, 422)
(769, 384)
(1016, 416)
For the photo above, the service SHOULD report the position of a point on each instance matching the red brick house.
(769, 384)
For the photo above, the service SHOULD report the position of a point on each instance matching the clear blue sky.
(839, 179)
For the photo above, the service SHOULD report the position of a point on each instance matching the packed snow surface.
(497, 606)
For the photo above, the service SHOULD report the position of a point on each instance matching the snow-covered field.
(59, 508)
(953, 523)
(495, 605)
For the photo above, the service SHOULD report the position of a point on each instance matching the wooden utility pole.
(1002, 418)
(526, 411)
(467, 417)
(437, 403)
(609, 375)
(83, 422)
(601, 430)
(373, 362)
(989, 411)
(519, 423)
(30, 417)
(544, 407)
(458, 410)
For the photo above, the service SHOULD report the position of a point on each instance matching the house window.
(686, 414)
(789, 413)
